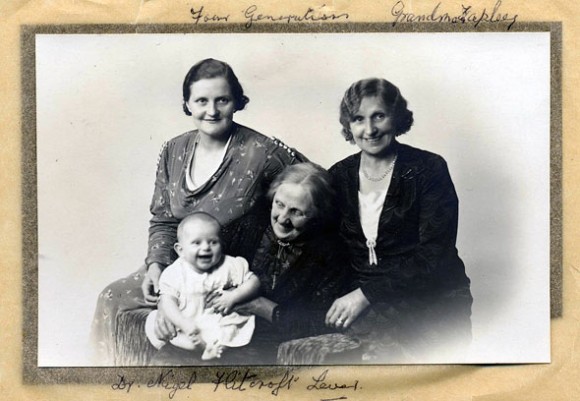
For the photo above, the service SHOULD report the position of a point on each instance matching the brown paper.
(552, 381)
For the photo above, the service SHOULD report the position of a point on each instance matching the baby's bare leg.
(189, 341)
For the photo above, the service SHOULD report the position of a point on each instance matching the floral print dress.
(251, 162)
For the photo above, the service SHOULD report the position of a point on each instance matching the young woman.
(220, 167)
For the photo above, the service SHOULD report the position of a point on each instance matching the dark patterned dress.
(250, 164)
(419, 292)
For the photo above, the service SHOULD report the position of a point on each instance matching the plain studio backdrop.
(106, 103)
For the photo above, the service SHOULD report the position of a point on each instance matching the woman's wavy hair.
(318, 184)
(387, 92)
(211, 68)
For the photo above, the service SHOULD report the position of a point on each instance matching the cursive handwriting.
(199, 15)
(321, 384)
(122, 384)
(468, 15)
(237, 380)
(242, 380)
(252, 15)
(169, 381)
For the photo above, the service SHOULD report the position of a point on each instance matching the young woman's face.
(371, 127)
(291, 211)
(212, 107)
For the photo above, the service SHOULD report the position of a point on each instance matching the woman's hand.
(346, 309)
(164, 329)
(259, 306)
(150, 285)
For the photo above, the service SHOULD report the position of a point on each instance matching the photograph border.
(33, 374)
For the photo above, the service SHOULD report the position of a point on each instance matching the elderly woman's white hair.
(318, 184)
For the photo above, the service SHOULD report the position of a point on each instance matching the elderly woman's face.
(372, 127)
(212, 107)
(291, 211)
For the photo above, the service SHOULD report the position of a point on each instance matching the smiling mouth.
(374, 138)
(286, 228)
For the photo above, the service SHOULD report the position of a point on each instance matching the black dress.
(419, 292)
(303, 277)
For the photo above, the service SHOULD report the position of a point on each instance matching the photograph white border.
(503, 116)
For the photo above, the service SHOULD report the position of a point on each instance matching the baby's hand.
(223, 303)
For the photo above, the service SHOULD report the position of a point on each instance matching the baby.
(202, 268)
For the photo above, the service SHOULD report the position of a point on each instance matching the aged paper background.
(105, 102)
(553, 381)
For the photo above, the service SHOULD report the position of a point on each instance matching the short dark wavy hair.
(318, 184)
(211, 68)
(391, 97)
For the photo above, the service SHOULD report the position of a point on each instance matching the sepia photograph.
(289, 199)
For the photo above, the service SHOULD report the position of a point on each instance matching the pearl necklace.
(382, 176)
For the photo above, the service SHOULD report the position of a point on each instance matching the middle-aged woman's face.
(212, 106)
(372, 127)
(291, 211)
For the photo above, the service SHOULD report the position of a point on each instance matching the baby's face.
(200, 245)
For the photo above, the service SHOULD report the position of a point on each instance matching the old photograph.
(319, 198)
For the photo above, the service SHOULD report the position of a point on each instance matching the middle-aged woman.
(295, 252)
(411, 300)
(222, 168)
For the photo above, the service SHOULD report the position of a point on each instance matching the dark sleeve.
(422, 266)
(279, 156)
(305, 315)
(304, 319)
(242, 236)
(163, 225)
(298, 322)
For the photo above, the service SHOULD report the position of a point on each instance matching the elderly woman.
(220, 167)
(411, 299)
(297, 256)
